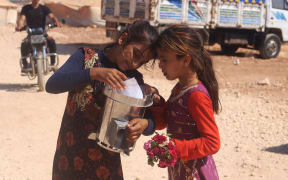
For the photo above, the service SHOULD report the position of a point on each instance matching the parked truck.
(258, 24)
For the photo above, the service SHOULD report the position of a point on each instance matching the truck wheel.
(270, 47)
(229, 49)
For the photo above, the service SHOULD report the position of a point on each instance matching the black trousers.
(26, 49)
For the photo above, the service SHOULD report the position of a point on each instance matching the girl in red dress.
(189, 112)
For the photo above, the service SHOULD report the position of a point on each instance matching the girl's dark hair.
(139, 31)
(188, 41)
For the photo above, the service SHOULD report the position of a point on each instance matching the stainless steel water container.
(117, 112)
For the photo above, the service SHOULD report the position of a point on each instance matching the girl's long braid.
(208, 78)
(202, 64)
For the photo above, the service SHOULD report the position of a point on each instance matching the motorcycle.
(39, 56)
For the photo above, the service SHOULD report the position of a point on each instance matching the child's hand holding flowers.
(161, 148)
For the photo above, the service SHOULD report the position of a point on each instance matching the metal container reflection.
(117, 112)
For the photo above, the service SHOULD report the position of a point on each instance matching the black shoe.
(54, 68)
(24, 70)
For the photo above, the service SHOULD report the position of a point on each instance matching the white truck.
(260, 24)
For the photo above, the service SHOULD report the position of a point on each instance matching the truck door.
(277, 16)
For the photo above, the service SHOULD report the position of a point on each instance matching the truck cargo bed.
(212, 13)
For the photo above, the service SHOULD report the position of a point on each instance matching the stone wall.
(8, 12)
(86, 15)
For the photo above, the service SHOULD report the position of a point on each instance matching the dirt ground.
(252, 124)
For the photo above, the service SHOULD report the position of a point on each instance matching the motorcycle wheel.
(40, 71)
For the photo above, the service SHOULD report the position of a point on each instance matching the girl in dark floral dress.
(83, 76)
(189, 112)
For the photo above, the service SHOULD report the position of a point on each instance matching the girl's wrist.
(93, 74)
(159, 102)
(150, 127)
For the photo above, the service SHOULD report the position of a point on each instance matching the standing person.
(189, 112)
(35, 15)
(83, 76)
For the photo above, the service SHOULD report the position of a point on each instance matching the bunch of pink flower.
(161, 149)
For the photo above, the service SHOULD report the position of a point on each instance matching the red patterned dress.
(77, 157)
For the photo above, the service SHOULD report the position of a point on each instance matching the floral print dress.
(77, 157)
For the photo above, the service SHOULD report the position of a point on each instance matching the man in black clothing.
(35, 15)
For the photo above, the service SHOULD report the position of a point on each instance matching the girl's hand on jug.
(112, 77)
(154, 91)
(135, 128)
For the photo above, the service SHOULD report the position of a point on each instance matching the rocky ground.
(252, 124)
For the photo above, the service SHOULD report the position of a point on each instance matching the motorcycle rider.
(35, 15)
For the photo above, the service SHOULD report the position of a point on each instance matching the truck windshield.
(280, 4)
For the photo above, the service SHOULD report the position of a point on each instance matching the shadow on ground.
(282, 149)
(236, 54)
(68, 49)
(17, 87)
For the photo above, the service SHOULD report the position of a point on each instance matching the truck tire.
(229, 49)
(270, 47)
